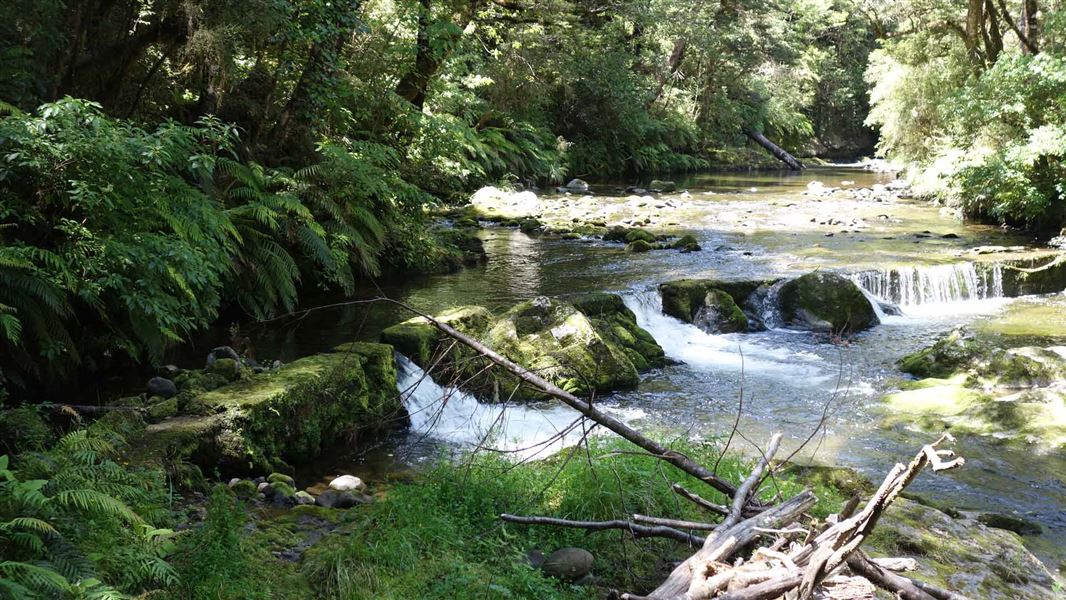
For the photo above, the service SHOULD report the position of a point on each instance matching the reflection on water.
(751, 226)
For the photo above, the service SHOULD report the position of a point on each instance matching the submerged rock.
(823, 301)
(639, 246)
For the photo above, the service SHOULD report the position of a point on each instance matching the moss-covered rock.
(198, 381)
(616, 233)
(639, 246)
(686, 243)
(227, 368)
(288, 414)
(639, 235)
(824, 301)
(282, 478)
(244, 489)
(947, 356)
(162, 409)
(711, 304)
(418, 340)
(662, 185)
(617, 324)
(561, 344)
(592, 345)
(962, 555)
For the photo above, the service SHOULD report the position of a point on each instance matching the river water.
(750, 226)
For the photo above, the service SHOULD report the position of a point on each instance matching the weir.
(938, 284)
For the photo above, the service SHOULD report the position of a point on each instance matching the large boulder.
(711, 304)
(577, 186)
(286, 415)
(950, 354)
(161, 386)
(961, 554)
(593, 344)
(823, 301)
(560, 343)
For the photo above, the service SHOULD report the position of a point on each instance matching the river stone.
(579, 186)
(568, 564)
(961, 555)
(1010, 523)
(347, 483)
(720, 314)
(222, 352)
(336, 499)
(159, 386)
(662, 185)
(824, 301)
(281, 477)
(227, 368)
(303, 498)
(639, 246)
(948, 355)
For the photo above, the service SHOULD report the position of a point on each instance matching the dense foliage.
(162, 161)
(972, 96)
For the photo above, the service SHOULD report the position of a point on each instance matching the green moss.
(23, 429)
(948, 356)
(280, 477)
(639, 246)
(823, 297)
(530, 225)
(688, 243)
(639, 235)
(245, 489)
(227, 368)
(616, 233)
(163, 409)
(684, 298)
(285, 415)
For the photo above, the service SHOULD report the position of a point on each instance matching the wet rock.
(568, 564)
(961, 555)
(578, 186)
(717, 300)
(825, 301)
(347, 483)
(639, 246)
(335, 499)
(948, 355)
(662, 185)
(222, 352)
(1010, 523)
(616, 233)
(530, 226)
(227, 368)
(687, 243)
(160, 386)
(639, 235)
(280, 477)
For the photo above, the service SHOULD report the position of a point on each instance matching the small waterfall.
(458, 417)
(939, 284)
(720, 352)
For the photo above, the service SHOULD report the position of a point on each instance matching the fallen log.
(778, 152)
(638, 531)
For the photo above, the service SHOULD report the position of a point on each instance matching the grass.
(440, 536)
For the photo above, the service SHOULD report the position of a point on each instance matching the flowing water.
(750, 226)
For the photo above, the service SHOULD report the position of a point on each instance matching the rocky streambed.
(692, 325)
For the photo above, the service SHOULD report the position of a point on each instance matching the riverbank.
(262, 541)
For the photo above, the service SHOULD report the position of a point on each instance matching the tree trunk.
(778, 152)
(1029, 27)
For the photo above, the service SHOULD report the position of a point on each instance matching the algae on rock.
(593, 345)
(286, 415)
(826, 301)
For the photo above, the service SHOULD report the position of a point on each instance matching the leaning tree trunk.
(778, 152)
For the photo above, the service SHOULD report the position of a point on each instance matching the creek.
(758, 225)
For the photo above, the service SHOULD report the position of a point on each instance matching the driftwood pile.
(799, 558)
